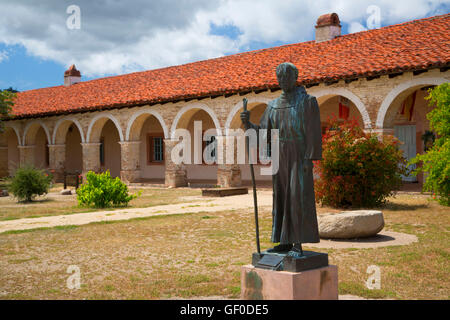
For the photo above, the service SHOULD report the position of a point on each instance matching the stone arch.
(186, 119)
(145, 135)
(138, 126)
(3, 136)
(325, 93)
(9, 151)
(403, 88)
(252, 102)
(256, 106)
(61, 127)
(30, 131)
(16, 130)
(71, 140)
(96, 126)
(35, 149)
(191, 109)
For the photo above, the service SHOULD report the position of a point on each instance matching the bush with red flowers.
(357, 169)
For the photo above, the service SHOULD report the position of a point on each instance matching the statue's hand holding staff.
(245, 115)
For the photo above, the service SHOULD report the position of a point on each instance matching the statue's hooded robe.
(300, 142)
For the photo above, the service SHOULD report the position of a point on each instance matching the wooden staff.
(252, 172)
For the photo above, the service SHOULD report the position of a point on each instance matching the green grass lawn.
(55, 204)
(201, 254)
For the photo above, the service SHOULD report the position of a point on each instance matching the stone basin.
(350, 224)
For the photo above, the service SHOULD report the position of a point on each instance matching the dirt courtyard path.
(194, 204)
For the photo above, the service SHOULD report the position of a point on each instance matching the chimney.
(71, 76)
(328, 27)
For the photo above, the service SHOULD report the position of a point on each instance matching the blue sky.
(23, 71)
(36, 46)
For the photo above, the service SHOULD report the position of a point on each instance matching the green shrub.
(436, 161)
(103, 191)
(357, 169)
(29, 182)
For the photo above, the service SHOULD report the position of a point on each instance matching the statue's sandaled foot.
(296, 251)
(280, 248)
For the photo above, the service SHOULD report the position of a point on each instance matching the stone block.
(315, 284)
(66, 192)
(350, 224)
(223, 192)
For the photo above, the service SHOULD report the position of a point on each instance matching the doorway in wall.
(407, 135)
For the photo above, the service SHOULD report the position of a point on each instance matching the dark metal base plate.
(283, 262)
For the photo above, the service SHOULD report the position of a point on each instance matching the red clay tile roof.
(414, 45)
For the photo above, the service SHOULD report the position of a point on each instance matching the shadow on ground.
(403, 206)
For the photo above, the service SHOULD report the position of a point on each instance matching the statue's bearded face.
(287, 75)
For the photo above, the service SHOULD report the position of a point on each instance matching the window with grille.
(155, 148)
(158, 150)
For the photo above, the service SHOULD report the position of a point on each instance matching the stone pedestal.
(130, 161)
(315, 284)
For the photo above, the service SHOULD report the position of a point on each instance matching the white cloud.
(119, 37)
(356, 27)
(3, 55)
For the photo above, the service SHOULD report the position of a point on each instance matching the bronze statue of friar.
(296, 115)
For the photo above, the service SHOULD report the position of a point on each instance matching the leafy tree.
(436, 161)
(10, 89)
(6, 102)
